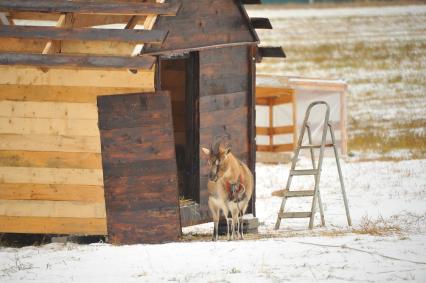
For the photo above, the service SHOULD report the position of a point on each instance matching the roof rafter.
(112, 8)
(86, 61)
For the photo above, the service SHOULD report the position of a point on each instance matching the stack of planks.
(50, 163)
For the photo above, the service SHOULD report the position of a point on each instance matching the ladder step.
(292, 194)
(294, 215)
(304, 172)
(316, 145)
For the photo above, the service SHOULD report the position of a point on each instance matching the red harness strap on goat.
(229, 185)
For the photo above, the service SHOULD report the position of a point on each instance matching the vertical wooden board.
(225, 87)
(126, 123)
(224, 71)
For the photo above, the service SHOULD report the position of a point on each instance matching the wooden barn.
(104, 107)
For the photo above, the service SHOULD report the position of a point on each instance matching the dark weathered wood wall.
(139, 168)
(224, 104)
(203, 23)
(173, 78)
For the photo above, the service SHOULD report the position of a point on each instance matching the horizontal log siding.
(50, 162)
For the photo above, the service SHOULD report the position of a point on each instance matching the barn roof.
(121, 35)
(73, 33)
(205, 24)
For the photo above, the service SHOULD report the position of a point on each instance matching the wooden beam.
(283, 147)
(89, 62)
(5, 20)
(53, 33)
(112, 8)
(33, 76)
(283, 130)
(53, 225)
(54, 46)
(147, 25)
(271, 122)
(45, 208)
(251, 2)
(79, 19)
(262, 147)
(276, 52)
(262, 101)
(261, 23)
(263, 131)
(64, 21)
(114, 48)
(283, 100)
(273, 92)
(82, 193)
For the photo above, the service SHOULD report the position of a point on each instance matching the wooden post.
(294, 109)
(343, 130)
(271, 124)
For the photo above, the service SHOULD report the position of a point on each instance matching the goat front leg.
(227, 228)
(240, 220)
(235, 215)
(215, 215)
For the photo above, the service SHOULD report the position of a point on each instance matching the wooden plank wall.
(203, 23)
(224, 95)
(50, 162)
(138, 158)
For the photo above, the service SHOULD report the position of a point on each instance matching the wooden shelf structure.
(272, 91)
(272, 97)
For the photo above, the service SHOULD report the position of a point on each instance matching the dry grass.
(383, 60)
(367, 226)
(378, 227)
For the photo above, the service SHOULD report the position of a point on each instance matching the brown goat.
(230, 187)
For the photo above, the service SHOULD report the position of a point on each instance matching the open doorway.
(179, 75)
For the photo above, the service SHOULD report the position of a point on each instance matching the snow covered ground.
(386, 243)
(384, 64)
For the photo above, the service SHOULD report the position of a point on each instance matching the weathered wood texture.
(276, 52)
(111, 8)
(75, 61)
(251, 2)
(54, 33)
(203, 23)
(261, 23)
(71, 47)
(138, 158)
(50, 163)
(223, 105)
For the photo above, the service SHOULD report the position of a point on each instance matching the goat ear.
(206, 151)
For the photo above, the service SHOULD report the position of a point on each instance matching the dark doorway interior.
(179, 76)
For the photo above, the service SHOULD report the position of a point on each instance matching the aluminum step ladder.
(315, 171)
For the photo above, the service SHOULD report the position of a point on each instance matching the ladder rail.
(293, 165)
(313, 166)
(339, 170)
(321, 156)
(316, 171)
